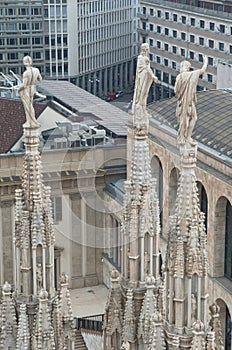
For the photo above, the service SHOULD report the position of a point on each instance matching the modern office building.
(91, 43)
(180, 29)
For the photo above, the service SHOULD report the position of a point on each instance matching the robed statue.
(143, 80)
(185, 90)
(27, 90)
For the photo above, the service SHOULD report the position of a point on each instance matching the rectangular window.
(158, 74)
(173, 78)
(202, 24)
(173, 65)
(151, 27)
(182, 52)
(230, 48)
(158, 44)
(200, 57)
(191, 55)
(221, 46)
(211, 25)
(222, 28)
(192, 22)
(210, 61)
(174, 34)
(158, 59)
(166, 15)
(174, 49)
(166, 62)
(210, 78)
(211, 43)
(158, 29)
(201, 41)
(151, 42)
(183, 19)
(166, 31)
(174, 17)
(151, 12)
(166, 77)
(166, 47)
(192, 38)
(183, 36)
(159, 13)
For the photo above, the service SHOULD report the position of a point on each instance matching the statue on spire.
(27, 90)
(143, 81)
(185, 90)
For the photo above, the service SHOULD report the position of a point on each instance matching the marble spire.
(140, 229)
(34, 297)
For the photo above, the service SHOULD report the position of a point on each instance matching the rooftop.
(12, 117)
(82, 102)
(214, 113)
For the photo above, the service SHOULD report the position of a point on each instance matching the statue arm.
(205, 64)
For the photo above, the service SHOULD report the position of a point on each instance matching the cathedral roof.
(214, 125)
(12, 116)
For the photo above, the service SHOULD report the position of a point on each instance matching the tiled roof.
(214, 123)
(12, 117)
(109, 116)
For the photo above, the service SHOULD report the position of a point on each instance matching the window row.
(15, 56)
(20, 41)
(190, 20)
(184, 36)
(22, 11)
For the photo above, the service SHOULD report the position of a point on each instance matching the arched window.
(203, 201)
(225, 319)
(157, 173)
(228, 242)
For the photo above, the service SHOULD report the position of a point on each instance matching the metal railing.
(93, 323)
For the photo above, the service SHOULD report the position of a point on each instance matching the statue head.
(27, 61)
(145, 47)
(185, 66)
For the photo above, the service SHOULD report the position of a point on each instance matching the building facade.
(93, 44)
(176, 30)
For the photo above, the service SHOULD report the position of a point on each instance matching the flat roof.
(107, 115)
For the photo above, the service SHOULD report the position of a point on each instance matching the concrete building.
(93, 44)
(179, 29)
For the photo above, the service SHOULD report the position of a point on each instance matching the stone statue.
(185, 90)
(143, 80)
(193, 308)
(26, 91)
(146, 263)
(39, 277)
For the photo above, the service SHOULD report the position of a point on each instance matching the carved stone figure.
(194, 308)
(26, 91)
(146, 263)
(39, 277)
(185, 90)
(143, 80)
